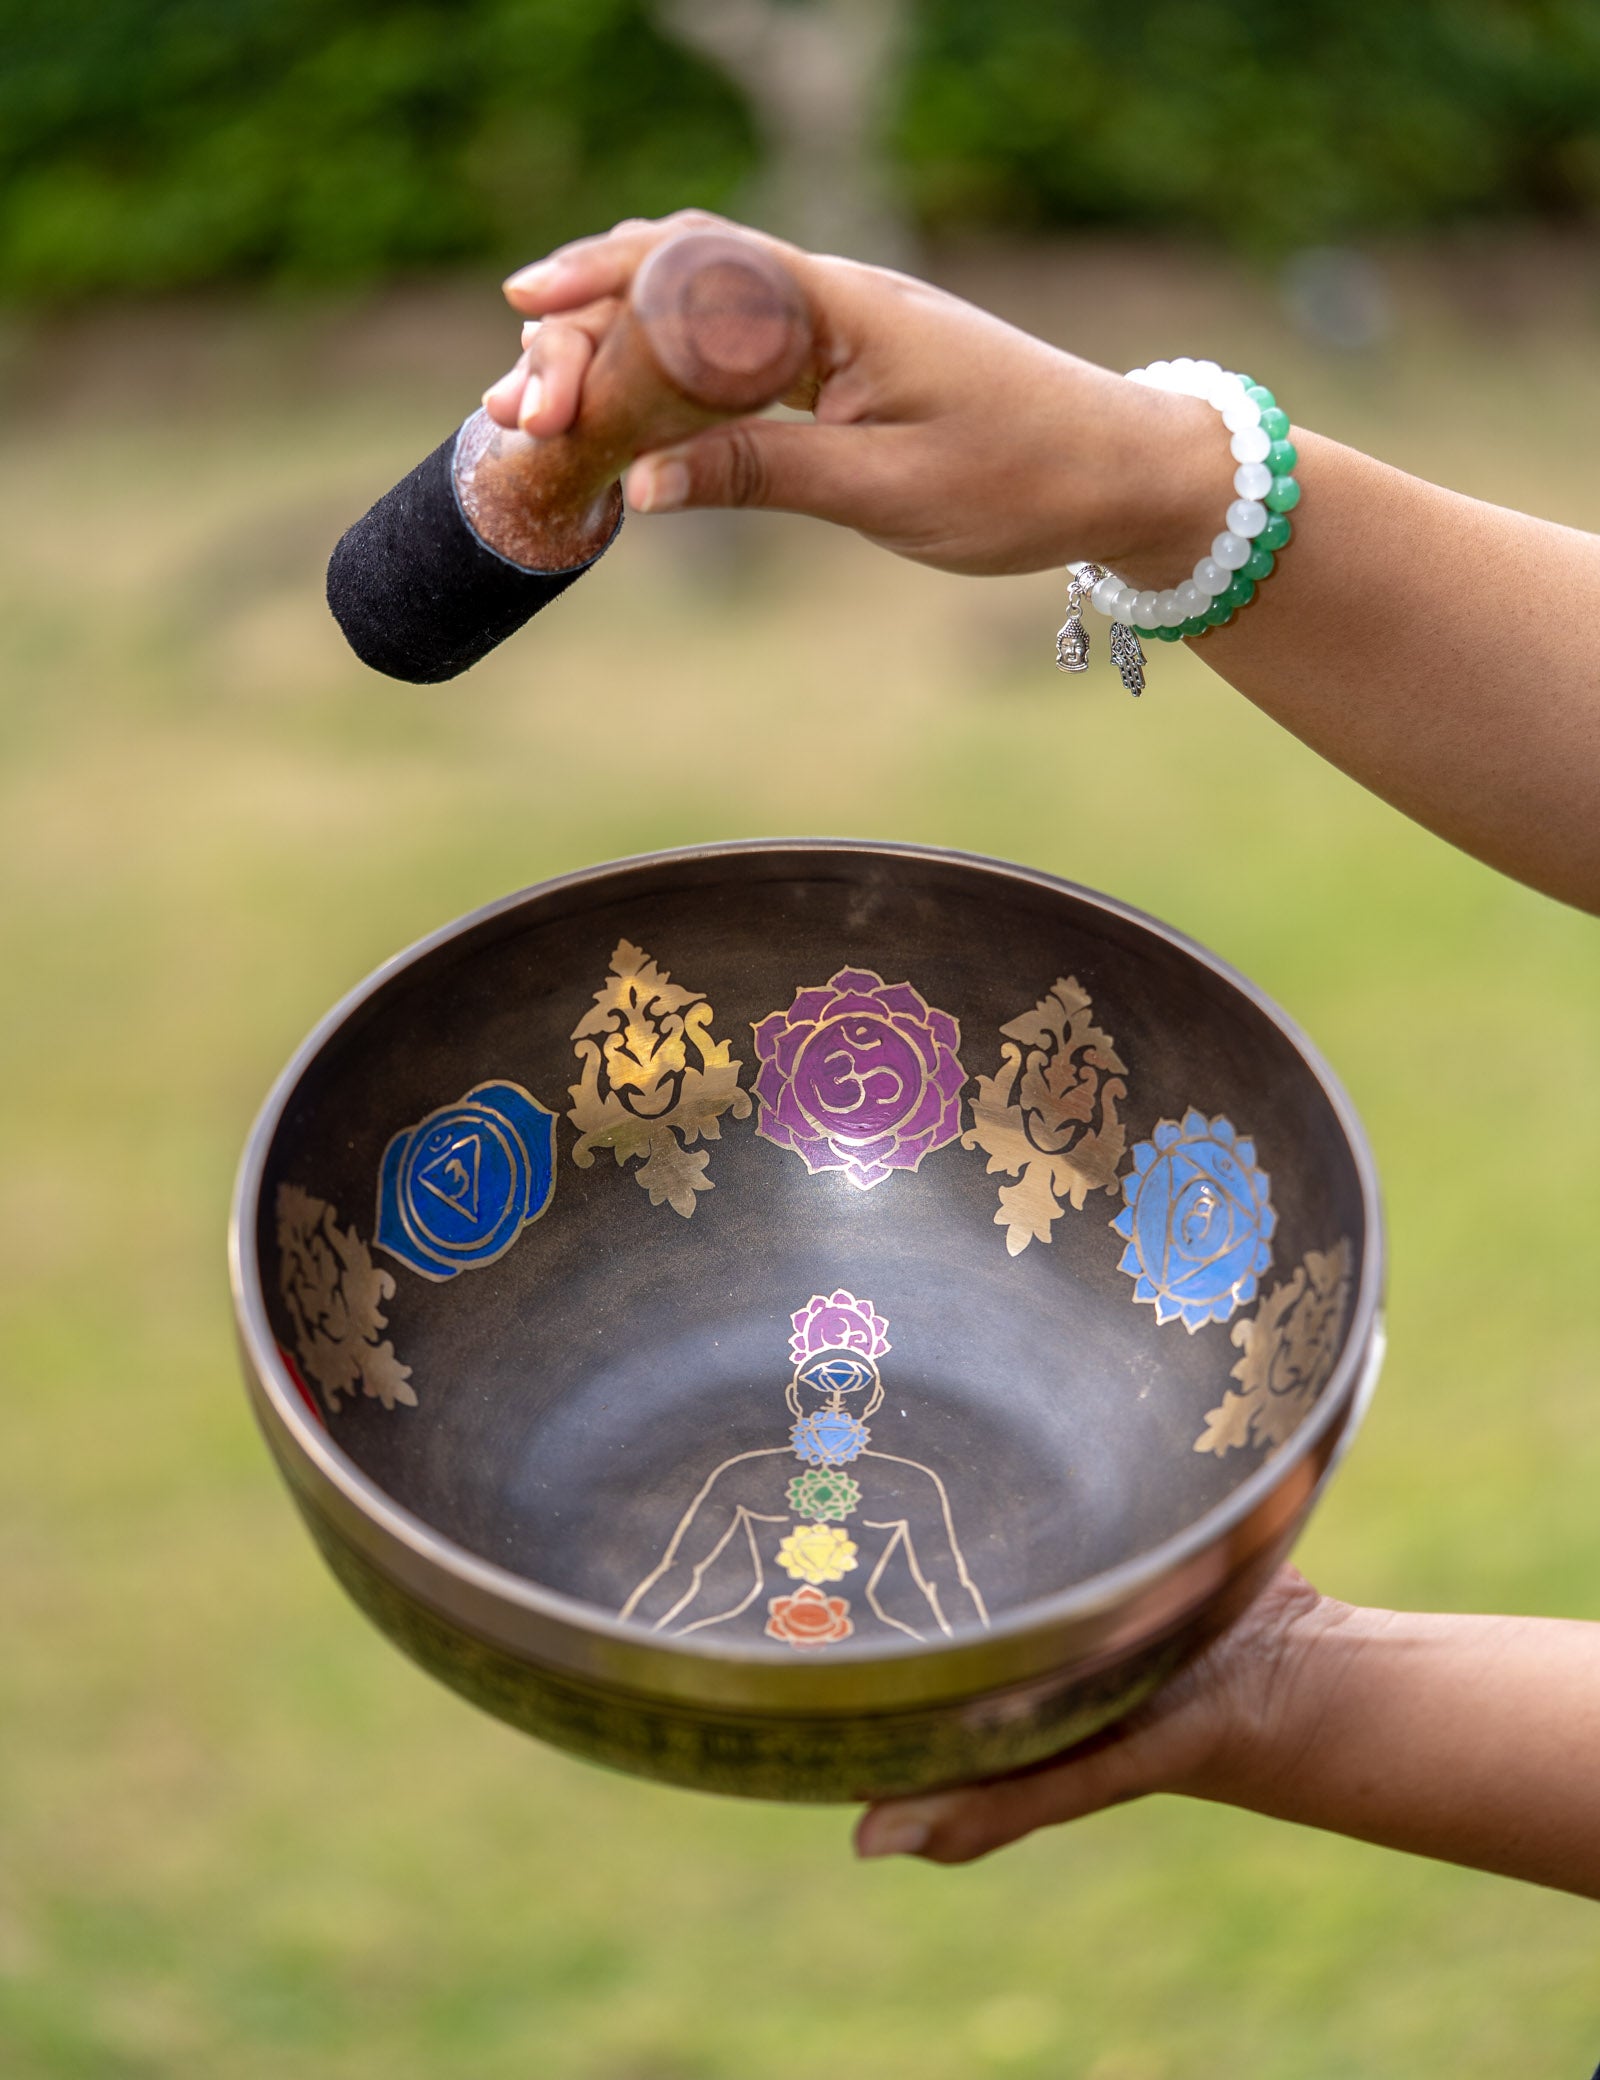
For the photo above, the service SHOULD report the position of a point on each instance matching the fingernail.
(539, 276)
(529, 327)
(893, 1834)
(502, 386)
(661, 488)
(532, 398)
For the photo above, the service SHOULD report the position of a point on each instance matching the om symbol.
(860, 1075)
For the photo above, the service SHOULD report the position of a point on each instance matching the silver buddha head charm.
(1072, 645)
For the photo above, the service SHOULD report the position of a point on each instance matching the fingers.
(540, 394)
(958, 1826)
(603, 266)
(830, 472)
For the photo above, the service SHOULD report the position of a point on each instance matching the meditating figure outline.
(877, 1522)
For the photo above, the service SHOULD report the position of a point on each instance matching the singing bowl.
(812, 1320)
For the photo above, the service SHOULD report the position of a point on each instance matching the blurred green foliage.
(1264, 123)
(161, 143)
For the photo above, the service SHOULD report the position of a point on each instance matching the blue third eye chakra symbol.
(457, 1190)
(1198, 1221)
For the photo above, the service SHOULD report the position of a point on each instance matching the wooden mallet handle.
(494, 524)
(715, 327)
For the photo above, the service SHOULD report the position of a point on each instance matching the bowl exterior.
(1120, 1657)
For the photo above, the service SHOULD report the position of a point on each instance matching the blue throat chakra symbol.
(829, 1437)
(1198, 1222)
(456, 1191)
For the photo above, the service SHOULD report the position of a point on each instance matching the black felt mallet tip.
(492, 525)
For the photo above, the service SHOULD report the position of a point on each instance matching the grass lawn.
(239, 1836)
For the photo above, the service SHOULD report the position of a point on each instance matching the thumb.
(957, 1826)
(783, 465)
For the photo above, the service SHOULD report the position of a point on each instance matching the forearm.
(1474, 1740)
(1438, 649)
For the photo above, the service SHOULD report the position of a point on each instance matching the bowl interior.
(794, 1245)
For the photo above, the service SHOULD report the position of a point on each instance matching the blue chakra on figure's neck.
(829, 1437)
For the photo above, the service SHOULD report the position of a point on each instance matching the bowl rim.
(662, 1667)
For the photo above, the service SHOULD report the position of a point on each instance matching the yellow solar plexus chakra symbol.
(738, 1538)
(818, 1553)
(1048, 1116)
(652, 1079)
(1290, 1345)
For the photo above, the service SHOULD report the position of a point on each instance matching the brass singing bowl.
(813, 1320)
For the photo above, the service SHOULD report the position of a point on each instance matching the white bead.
(1251, 445)
(1157, 374)
(1146, 611)
(1205, 374)
(1242, 414)
(1193, 596)
(1246, 516)
(1182, 371)
(1224, 392)
(1104, 593)
(1122, 605)
(1252, 480)
(1232, 551)
(1211, 577)
(1140, 375)
(1170, 608)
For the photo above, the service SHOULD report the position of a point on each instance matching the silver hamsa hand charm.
(1128, 657)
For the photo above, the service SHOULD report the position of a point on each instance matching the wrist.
(1156, 476)
(1270, 1687)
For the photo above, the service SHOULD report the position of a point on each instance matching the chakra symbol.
(456, 1191)
(823, 1494)
(808, 1618)
(837, 1322)
(817, 1553)
(1198, 1221)
(838, 1372)
(860, 1075)
(829, 1437)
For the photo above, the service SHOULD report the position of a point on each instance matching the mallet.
(494, 524)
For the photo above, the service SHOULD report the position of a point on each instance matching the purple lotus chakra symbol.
(837, 1321)
(860, 1075)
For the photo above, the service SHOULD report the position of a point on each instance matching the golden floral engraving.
(1048, 1117)
(334, 1293)
(1289, 1347)
(652, 1079)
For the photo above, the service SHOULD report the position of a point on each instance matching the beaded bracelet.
(1255, 528)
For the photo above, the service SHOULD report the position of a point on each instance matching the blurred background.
(249, 255)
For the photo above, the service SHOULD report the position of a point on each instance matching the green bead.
(1260, 564)
(1257, 394)
(1163, 635)
(1194, 626)
(1283, 497)
(1282, 457)
(1274, 422)
(1241, 592)
(1275, 535)
(1219, 611)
